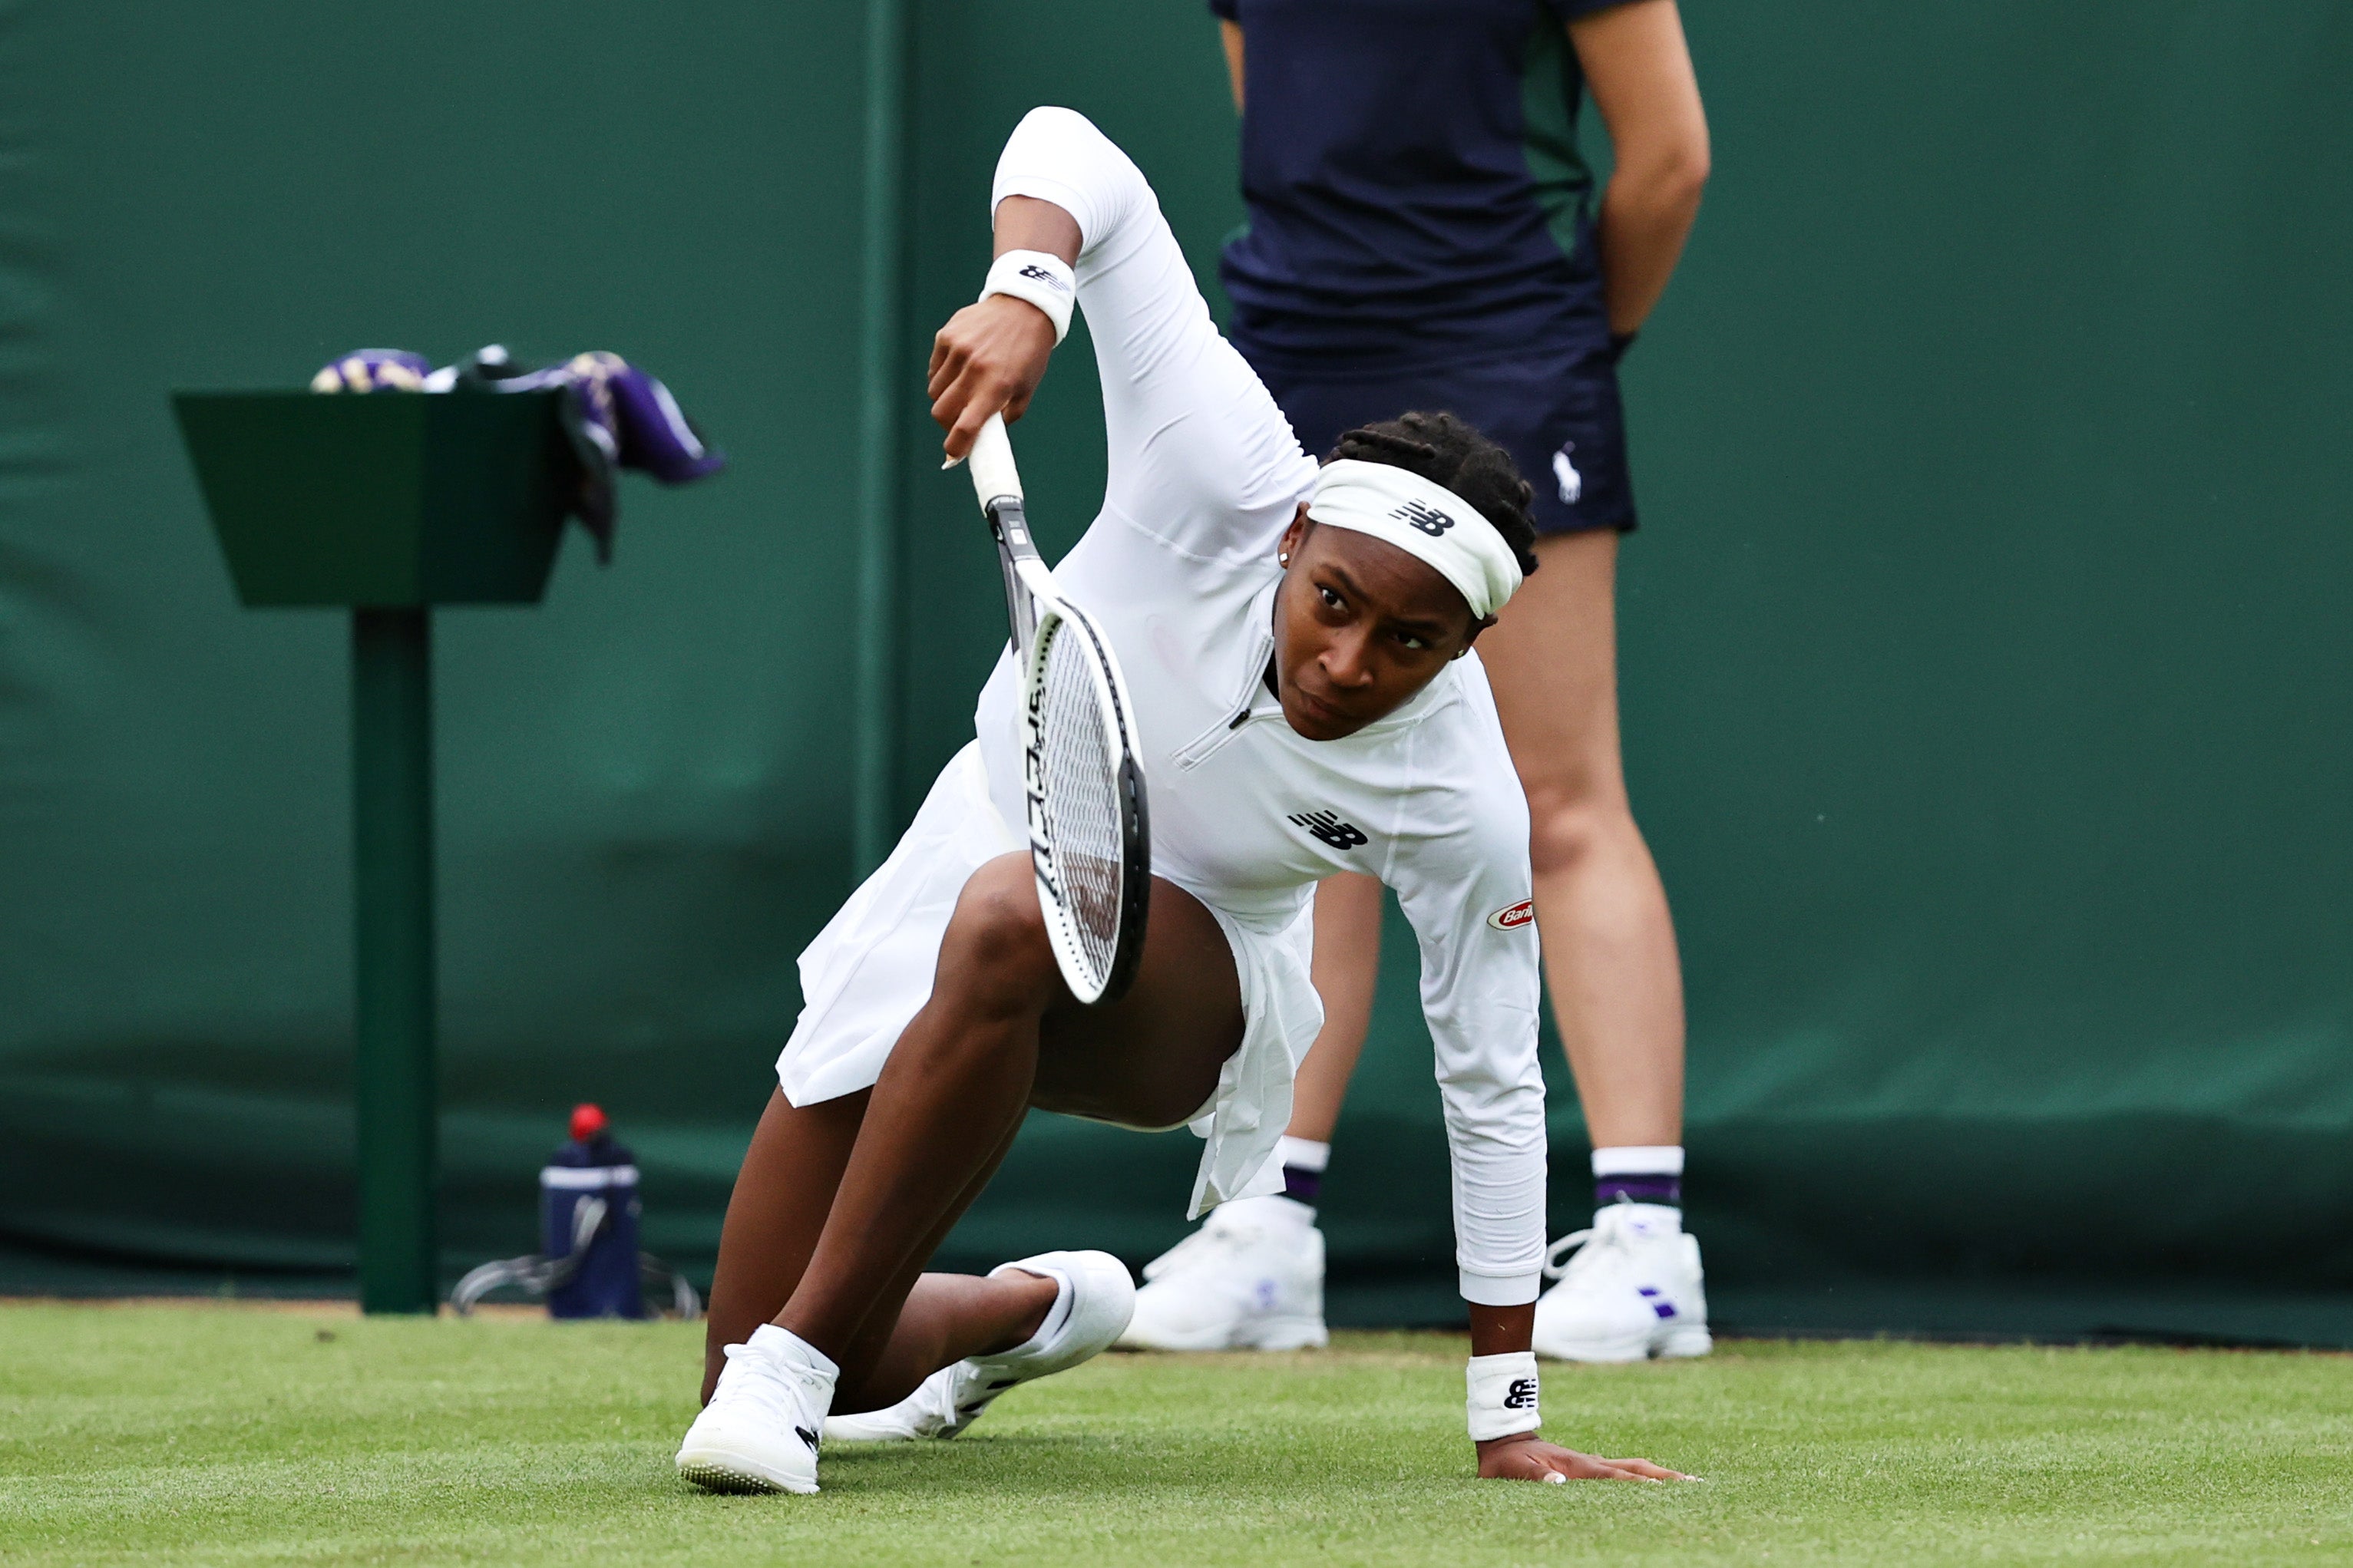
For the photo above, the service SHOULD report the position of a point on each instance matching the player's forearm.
(1026, 222)
(1646, 215)
(990, 356)
(1639, 70)
(1491, 1087)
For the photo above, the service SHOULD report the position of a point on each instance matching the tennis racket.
(1090, 841)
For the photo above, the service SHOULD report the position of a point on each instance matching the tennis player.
(1297, 645)
(1423, 233)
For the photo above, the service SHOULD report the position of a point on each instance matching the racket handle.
(993, 473)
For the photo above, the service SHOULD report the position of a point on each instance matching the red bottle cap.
(587, 1121)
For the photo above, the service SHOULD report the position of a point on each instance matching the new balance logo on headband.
(1327, 826)
(1425, 517)
(1042, 276)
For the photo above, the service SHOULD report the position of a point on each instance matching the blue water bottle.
(588, 1224)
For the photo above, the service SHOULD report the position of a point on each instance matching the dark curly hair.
(1446, 451)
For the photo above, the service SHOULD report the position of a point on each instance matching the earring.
(1283, 559)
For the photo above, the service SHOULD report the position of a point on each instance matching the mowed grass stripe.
(199, 1434)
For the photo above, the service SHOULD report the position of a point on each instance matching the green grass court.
(185, 1434)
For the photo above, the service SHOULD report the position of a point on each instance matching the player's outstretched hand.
(1528, 1458)
(987, 360)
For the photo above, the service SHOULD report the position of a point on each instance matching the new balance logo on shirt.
(1327, 826)
(1427, 517)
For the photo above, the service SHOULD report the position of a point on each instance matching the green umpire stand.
(387, 504)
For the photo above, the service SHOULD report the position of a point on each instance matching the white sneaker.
(1089, 1311)
(1250, 1278)
(759, 1433)
(1632, 1291)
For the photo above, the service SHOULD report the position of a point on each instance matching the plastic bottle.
(592, 1170)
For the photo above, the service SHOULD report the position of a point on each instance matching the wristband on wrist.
(1502, 1394)
(1039, 278)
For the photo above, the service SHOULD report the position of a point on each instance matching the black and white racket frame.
(1038, 614)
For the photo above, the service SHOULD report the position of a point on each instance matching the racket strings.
(1079, 758)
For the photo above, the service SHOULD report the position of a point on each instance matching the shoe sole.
(1279, 1335)
(733, 1473)
(839, 1429)
(1284, 1334)
(1683, 1343)
(1598, 1352)
(1131, 1341)
(1691, 1340)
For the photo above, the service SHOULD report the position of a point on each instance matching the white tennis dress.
(1248, 816)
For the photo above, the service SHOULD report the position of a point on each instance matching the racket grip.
(993, 473)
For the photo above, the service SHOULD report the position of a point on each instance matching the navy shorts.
(1556, 413)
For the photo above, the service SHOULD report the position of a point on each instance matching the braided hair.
(1446, 451)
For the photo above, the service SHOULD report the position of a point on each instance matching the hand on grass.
(1528, 1458)
(987, 360)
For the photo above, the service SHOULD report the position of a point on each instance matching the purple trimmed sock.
(1660, 1188)
(1639, 1174)
(1304, 1160)
(1301, 1186)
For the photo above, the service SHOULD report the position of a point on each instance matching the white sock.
(1642, 1184)
(1639, 1160)
(1304, 1153)
(1271, 1208)
(782, 1344)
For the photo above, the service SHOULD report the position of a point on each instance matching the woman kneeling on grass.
(1293, 641)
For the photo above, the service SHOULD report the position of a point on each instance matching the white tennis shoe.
(759, 1433)
(1092, 1306)
(1632, 1291)
(1250, 1278)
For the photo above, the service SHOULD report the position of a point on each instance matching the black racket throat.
(1009, 526)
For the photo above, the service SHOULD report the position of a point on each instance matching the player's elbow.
(1570, 818)
(1052, 121)
(1666, 174)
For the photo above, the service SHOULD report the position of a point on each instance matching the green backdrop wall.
(1984, 645)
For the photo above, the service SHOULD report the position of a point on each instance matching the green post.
(392, 837)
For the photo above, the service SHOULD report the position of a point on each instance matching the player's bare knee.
(998, 936)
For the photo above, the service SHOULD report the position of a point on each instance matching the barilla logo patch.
(1512, 918)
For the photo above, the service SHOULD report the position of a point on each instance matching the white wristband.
(1502, 1394)
(1041, 279)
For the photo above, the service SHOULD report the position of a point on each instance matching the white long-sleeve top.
(1248, 816)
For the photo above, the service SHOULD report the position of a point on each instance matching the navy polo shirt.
(1415, 192)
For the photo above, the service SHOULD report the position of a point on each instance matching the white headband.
(1424, 519)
